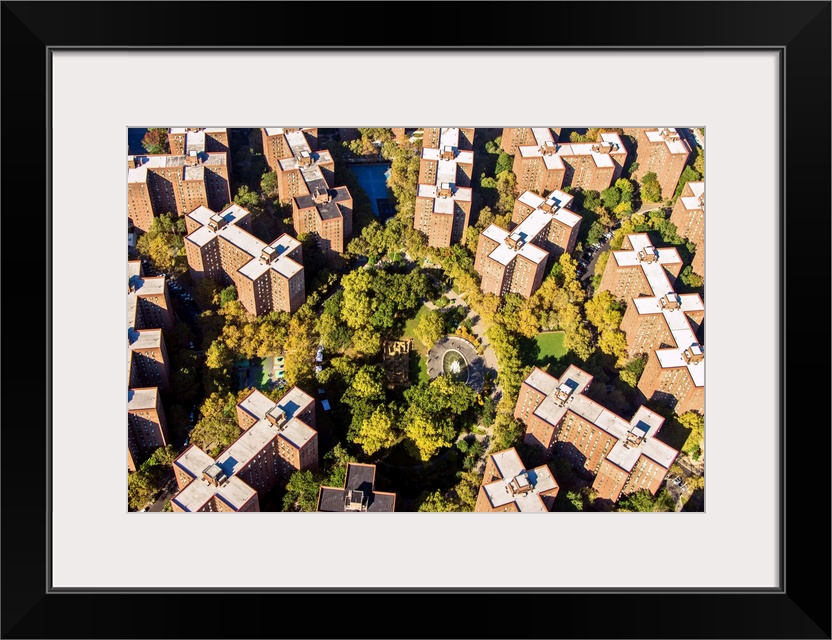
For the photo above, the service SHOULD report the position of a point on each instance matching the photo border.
(801, 33)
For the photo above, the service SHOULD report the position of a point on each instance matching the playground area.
(373, 179)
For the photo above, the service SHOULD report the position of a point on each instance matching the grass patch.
(551, 345)
(410, 329)
(418, 355)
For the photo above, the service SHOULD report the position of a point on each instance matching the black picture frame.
(799, 608)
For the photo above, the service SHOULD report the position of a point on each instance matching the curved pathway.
(436, 356)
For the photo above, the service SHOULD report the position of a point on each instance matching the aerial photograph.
(416, 319)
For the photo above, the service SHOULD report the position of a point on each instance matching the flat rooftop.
(144, 339)
(518, 485)
(234, 493)
(677, 323)
(531, 226)
(194, 461)
(358, 484)
(142, 398)
(600, 151)
(447, 168)
(677, 146)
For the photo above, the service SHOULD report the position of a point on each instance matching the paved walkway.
(436, 356)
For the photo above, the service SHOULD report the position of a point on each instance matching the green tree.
(487, 417)
(428, 433)
(163, 244)
(695, 443)
(301, 492)
(651, 190)
(691, 279)
(268, 185)
(156, 141)
(644, 501)
(626, 188)
(688, 175)
(504, 163)
(217, 426)
(575, 498)
(604, 311)
(437, 502)
(249, 200)
(228, 294)
(379, 430)
(506, 190)
(206, 293)
(611, 197)
(431, 327)
(699, 162)
(631, 372)
(467, 490)
(366, 341)
(301, 344)
(336, 461)
(592, 200)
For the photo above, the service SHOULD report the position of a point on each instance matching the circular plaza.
(457, 358)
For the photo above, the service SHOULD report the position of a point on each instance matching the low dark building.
(358, 492)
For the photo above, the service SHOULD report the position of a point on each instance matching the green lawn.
(551, 347)
(420, 349)
(410, 329)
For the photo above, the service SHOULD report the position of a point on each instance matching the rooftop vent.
(214, 475)
(603, 147)
(519, 484)
(671, 301)
(515, 241)
(267, 255)
(547, 206)
(447, 153)
(648, 254)
(354, 501)
(321, 195)
(670, 135)
(634, 439)
(304, 159)
(276, 416)
(562, 394)
(548, 148)
(216, 222)
(444, 190)
(694, 354)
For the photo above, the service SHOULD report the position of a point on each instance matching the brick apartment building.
(268, 277)
(624, 456)
(304, 178)
(177, 183)
(546, 165)
(150, 296)
(508, 486)
(146, 425)
(277, 439)
(358, 493)
(659, 322)
(514, 261)
(664, 152)
(148, 310)
(689, 217)
(184, 140)
(625, 276)
(276, 145)
(443, 196)
(514, 137)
